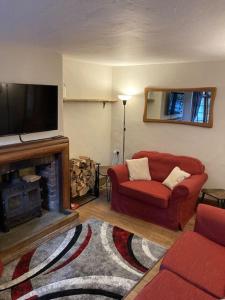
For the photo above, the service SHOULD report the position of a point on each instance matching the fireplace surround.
(50, 159)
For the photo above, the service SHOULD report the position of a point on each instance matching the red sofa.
(1, 268)
(151, 200)
(194, 268)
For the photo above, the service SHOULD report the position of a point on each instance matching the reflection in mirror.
(185, 106)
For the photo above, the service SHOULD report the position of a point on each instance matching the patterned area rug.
(94, 260)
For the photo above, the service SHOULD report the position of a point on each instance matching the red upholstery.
(120, 174)
(161, 164)
(194, 268)
(210, 222)
(190, 186)
(149, 192)
(152, 201)
(168, 286)
(199, 261)
(1, 267)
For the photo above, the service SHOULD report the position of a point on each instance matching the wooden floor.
(100, 209)
(37, 238)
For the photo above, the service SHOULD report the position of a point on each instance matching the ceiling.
(118, 32)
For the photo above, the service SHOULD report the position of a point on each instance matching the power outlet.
(116, 157)
(116, 151)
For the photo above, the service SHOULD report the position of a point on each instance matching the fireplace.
(50, 184)
(21, 200)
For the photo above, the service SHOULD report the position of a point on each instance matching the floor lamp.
(124, 98)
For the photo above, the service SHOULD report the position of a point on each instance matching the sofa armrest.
(118, 174)
(1, 267)
(210, 222)
(189, 186)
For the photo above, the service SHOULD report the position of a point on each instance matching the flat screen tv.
(28, 108)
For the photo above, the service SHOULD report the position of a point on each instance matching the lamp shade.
(124, 97)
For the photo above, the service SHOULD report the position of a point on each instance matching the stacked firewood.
(82, 172)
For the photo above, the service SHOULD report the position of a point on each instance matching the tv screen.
(175, 103)
(27, 108)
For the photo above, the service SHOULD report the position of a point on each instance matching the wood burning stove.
(20, 201)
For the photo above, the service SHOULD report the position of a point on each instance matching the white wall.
(95, 131)
(31, 65)
(206, 144)
(88, 125)
(86, 80)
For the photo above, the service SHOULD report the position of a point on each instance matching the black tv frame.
(35, 131)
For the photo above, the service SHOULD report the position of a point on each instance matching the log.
(74, 189)
(82, 175)
(83, 191)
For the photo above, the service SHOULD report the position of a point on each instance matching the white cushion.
(176, 176)
(138, 169)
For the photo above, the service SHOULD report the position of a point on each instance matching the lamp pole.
(124, 98)
(124, 127)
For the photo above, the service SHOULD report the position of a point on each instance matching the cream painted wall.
(86, 80)
(206, 144)
(88, 125)
(31, 65)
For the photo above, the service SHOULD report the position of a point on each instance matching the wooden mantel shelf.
(88, 100)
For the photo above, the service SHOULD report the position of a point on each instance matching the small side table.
(103, 172)
(218, 194)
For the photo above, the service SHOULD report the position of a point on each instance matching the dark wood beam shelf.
(89, 100)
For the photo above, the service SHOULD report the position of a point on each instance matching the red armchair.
(151, 200)
(195, 265)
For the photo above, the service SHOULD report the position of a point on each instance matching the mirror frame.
(209, 124)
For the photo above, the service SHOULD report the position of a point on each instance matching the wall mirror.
(192, 106)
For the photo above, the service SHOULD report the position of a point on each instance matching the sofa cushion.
(161, 164)
(161, 167)
(138, 169)
(199, 261)
(149, 192)
(168, 286)
(175, 177)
